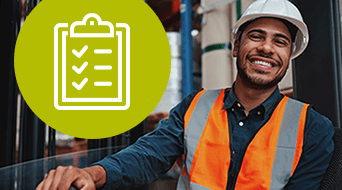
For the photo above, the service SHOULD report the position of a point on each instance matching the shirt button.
(238, 105)
(241, 123)
(232, 109)
(259, 112)
(234, 152)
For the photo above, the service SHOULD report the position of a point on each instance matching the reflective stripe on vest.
(269, 160)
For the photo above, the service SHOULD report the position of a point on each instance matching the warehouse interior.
(199, 34)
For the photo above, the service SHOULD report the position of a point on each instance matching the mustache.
(264, 56)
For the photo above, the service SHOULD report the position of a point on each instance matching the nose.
(266, 47)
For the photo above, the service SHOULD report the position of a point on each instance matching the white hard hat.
(282, 9)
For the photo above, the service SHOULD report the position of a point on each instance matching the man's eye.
(280, 42)
(255, 37)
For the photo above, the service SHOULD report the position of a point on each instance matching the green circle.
(52, 61)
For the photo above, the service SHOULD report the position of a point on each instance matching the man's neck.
(250, 97)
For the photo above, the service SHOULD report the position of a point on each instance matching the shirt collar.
(266, 108)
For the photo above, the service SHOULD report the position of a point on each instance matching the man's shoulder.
(313, 114)
(315, 118)
(318, 125)
(185, 103)
(191, 96)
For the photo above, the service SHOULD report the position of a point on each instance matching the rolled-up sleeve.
(151, 156)
(316, 155)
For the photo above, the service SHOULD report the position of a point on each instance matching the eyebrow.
(264, 32)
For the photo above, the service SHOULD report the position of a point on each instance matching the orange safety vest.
(270, 158)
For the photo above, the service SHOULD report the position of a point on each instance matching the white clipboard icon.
(68, 90)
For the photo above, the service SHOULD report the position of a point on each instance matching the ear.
(236, 48)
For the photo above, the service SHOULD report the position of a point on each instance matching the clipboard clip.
(84, 23)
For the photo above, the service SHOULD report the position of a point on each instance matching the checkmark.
(80, 86)
(79, 70)
(80, 53)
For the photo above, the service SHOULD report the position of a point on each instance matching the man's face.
(263, 54)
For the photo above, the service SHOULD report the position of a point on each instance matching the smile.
(262, 63)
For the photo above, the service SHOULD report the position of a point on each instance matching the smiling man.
(263, 56)
(266, 46)
(246, 137)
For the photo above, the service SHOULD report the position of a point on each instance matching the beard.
(256, 83)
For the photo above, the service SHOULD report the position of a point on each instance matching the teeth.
(262, 63)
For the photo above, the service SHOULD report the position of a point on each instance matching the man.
(246, 137)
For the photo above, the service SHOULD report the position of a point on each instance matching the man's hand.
(84, 179)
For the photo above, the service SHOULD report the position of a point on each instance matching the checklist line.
(103, 67)
(103, 51)
(103, 83)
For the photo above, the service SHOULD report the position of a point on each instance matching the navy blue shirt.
(154, 154)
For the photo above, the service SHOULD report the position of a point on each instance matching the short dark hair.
(292, 28)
